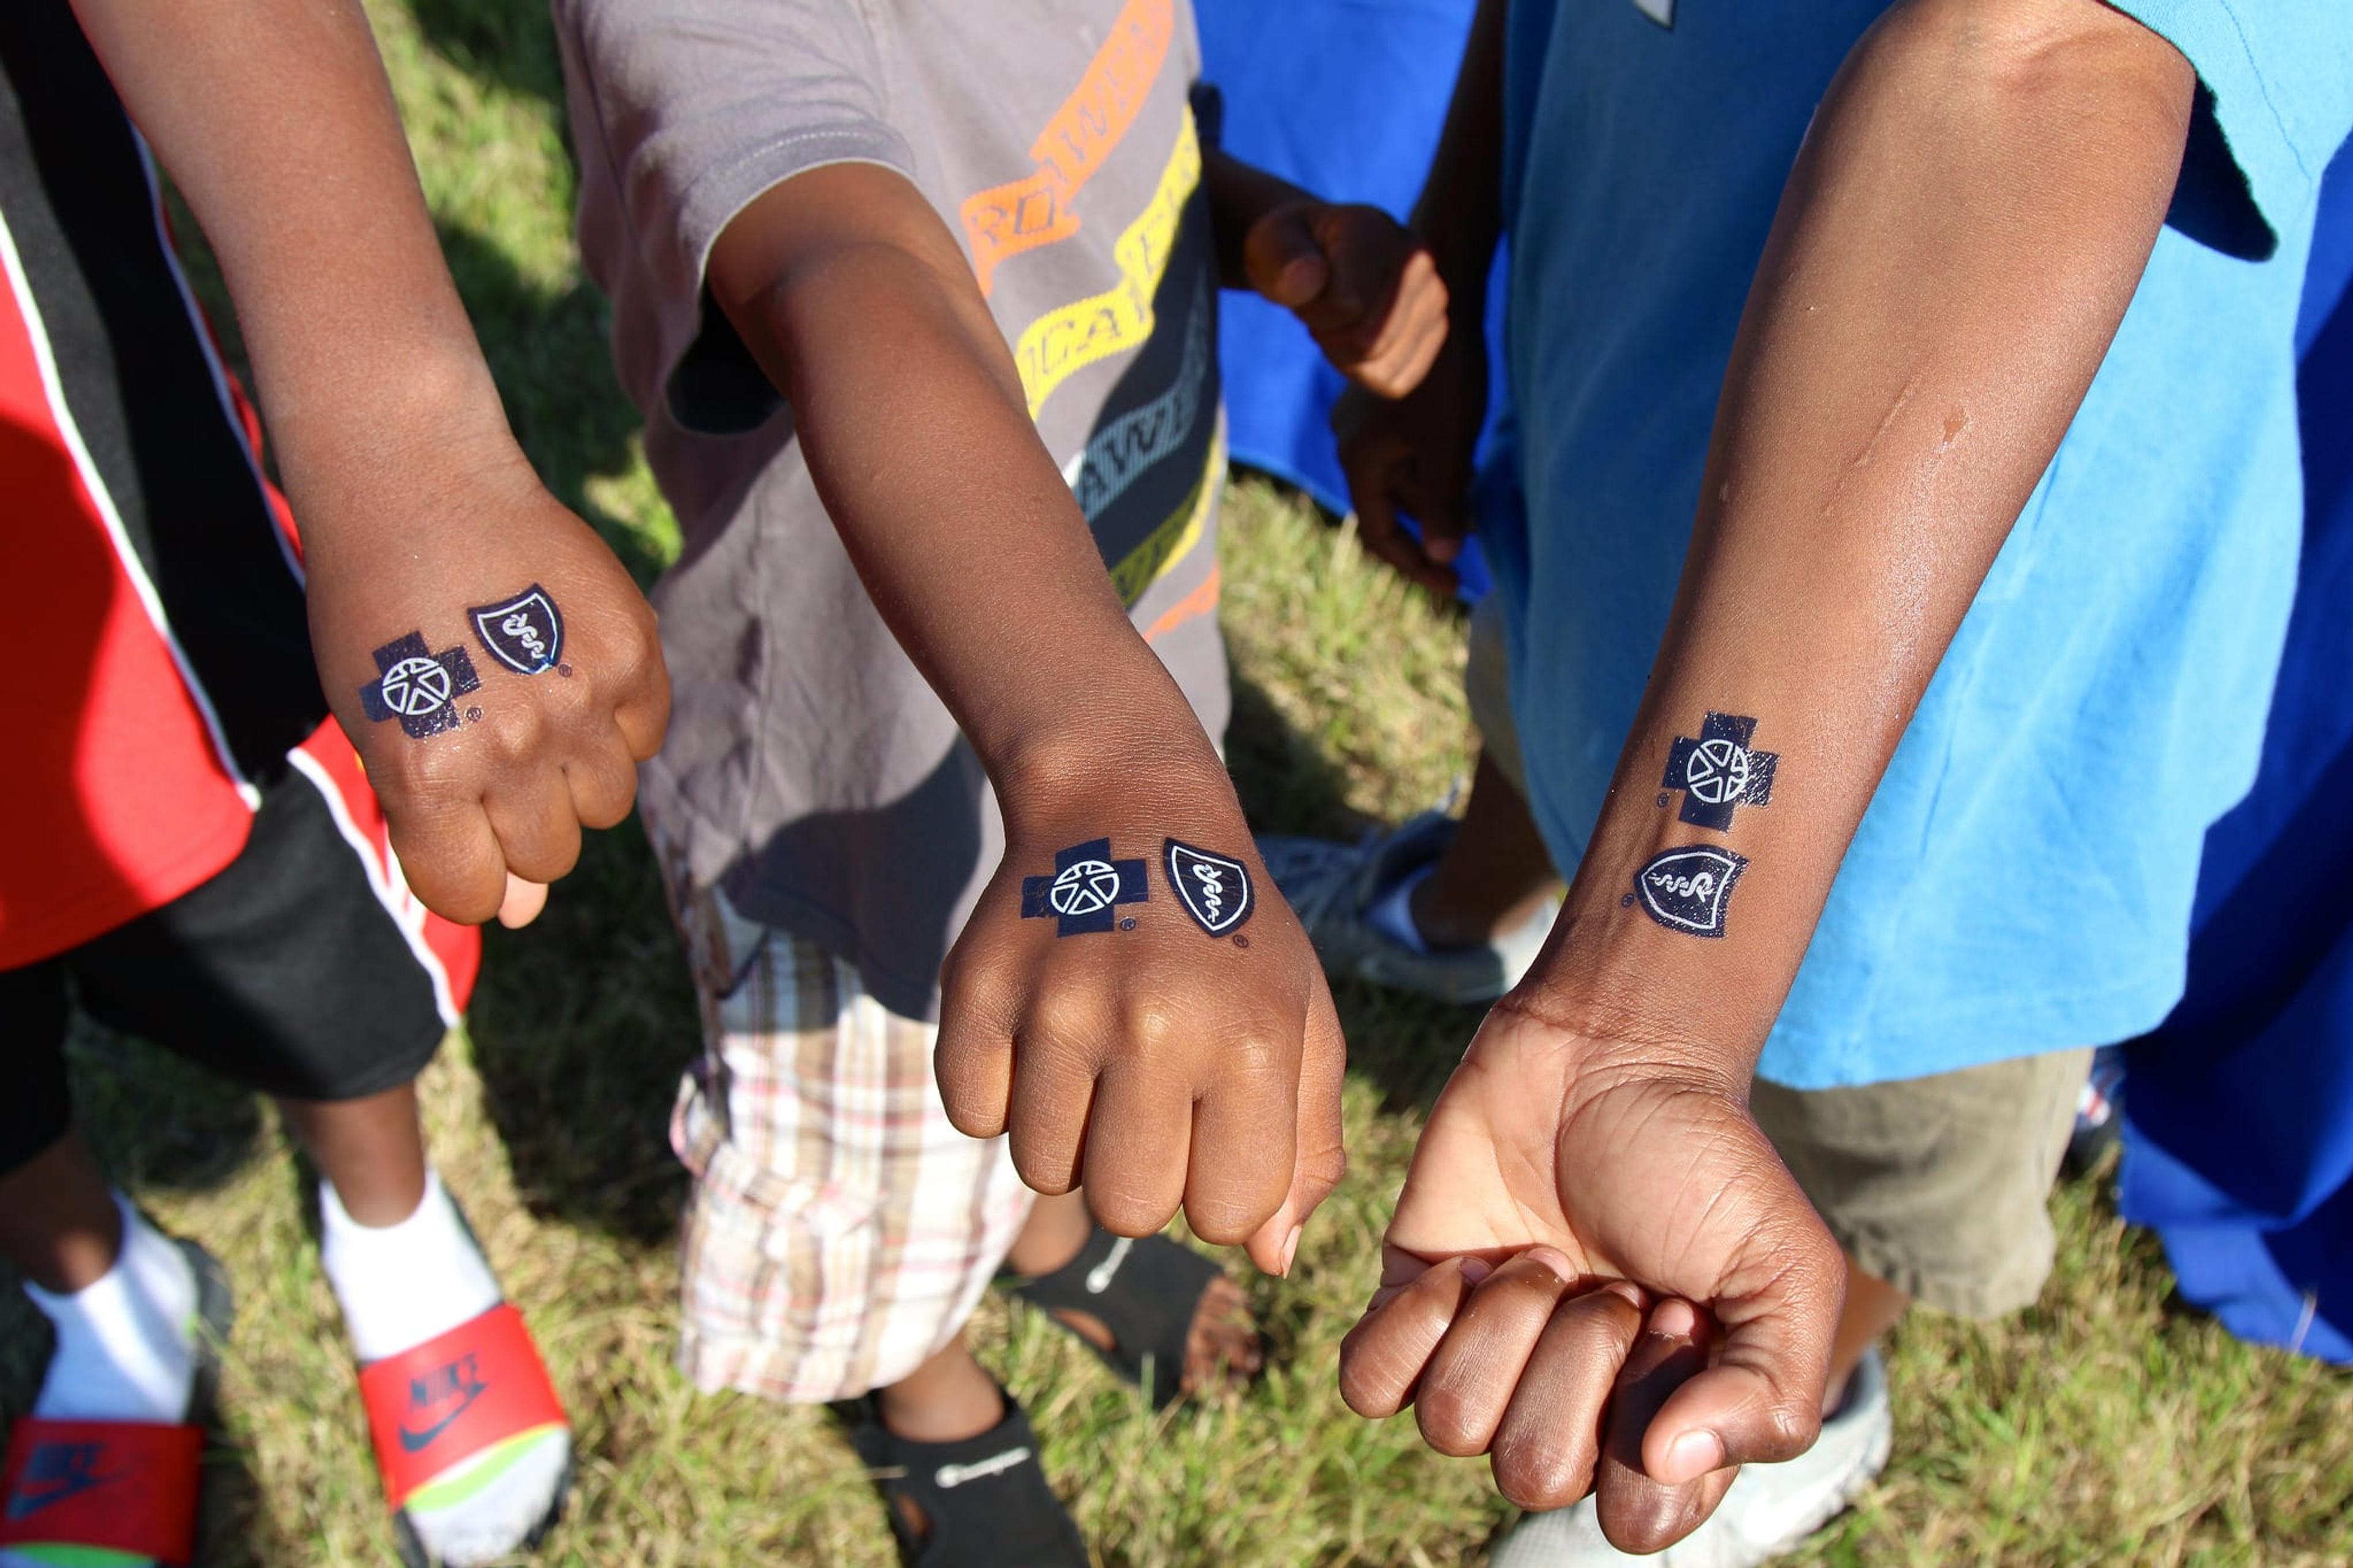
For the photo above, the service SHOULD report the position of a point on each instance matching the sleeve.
(2275, 101)
(685, 112)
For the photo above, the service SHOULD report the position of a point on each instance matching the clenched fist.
(498, 671)
(1135, 1006)
(1601, 1275)
(1363, 286)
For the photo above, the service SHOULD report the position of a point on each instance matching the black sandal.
(985, 1500)
(1145, 1291)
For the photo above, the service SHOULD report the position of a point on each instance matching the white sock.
(401, 1285)
(126, 1343)
(1391, 914)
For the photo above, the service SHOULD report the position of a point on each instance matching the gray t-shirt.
(809, 771)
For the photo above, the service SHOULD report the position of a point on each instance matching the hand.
(1562, 1186)
(1362, 285)
(487, 774)
(1415, 456)
(1147, 1059)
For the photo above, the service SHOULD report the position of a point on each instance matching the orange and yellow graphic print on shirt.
(1006, 220)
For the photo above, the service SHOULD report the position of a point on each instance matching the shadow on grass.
(581, 1025)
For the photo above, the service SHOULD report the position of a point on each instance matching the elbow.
(2052, 58)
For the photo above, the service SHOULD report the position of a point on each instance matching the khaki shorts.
(841, 1229)
(1938, 1185)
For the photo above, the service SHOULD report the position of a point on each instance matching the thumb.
(1322, 1160)
(1762, 1400)
(1283, 260)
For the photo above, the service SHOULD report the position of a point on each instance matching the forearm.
(1460, 213)
(1239, 194)
(911, 415)
(1955, 247)
(360, 347)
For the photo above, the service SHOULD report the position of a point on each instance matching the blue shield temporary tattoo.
(1687, 889)
(1086, 889)
(1718, 772)
(416, 687)
(525, 634)
(1213, 888)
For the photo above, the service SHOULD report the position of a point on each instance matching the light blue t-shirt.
(2022, 880)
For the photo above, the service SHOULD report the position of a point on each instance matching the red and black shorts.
(297, 971)
(189, 849)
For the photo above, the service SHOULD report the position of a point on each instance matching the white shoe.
(1769, 1509)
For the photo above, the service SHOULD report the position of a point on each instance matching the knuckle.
(1050, 1172)
(1128, 1214)
(1447, 1420)
(1220, 1222)
(1537, 1473)
(1065, 1022)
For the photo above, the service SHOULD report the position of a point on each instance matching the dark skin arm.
(1156, 1068)
(1953, 253)
(1413, 456)
(275, 121)
(1369, 294)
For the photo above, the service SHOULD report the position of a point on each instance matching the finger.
(451, 861)
(642, 710)
(602, 782)
(1407, 351)
(1472, 1373)
(1378, 342)
(1761, 1402)
(1244, 1128)
(1321, 1158)
(1046, 1115)
(537, 833)
(1638, 1510)
(1137, 1131)
(973, 1057)
(1545, 1447)
(1366, 254)
(1283, 260)
(1384, 538)
(1382, 1358)
(523, 902)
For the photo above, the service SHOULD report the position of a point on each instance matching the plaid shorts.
(840, 1231)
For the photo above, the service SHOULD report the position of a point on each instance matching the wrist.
(433, 422)
(1118, 764)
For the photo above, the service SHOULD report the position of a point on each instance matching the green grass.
(2104, 1426)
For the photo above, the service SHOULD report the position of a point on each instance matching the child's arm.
(1414, 457)
(1955, 248)
(1159, 1068)
(1366, 289)
(416, 507)
(1157, 1064)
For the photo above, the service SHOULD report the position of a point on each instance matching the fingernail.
(1291, 1248)
(1475, 1269)
(1675, 1319)
(1692, 1456)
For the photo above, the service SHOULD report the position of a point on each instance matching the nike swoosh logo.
(26, 1504)
(416, 1442)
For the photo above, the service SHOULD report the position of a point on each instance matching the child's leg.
(59, 1224)
(1223, 1341)
(294, 972)
(1493, 873)
(370, 1150)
